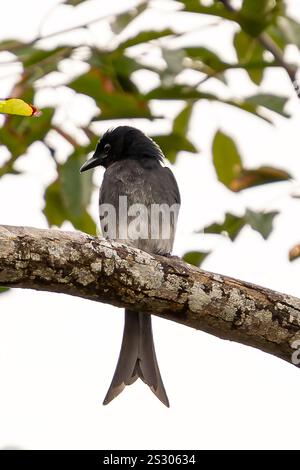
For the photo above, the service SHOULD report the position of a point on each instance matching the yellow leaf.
(18, 107)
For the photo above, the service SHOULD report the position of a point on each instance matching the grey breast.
(145, 203)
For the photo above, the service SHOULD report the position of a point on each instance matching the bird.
(135, 173)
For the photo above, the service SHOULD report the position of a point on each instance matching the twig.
(267, 42)
(71, 28)
(245, 66)
(66, 136)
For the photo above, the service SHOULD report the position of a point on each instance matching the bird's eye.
(107, 148)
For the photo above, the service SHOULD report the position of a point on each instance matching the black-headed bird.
(138, 204)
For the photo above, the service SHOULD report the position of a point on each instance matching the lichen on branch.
(105, 271)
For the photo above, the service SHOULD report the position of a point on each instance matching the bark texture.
(77, 264)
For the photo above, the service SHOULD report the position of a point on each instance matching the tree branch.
(77, 264)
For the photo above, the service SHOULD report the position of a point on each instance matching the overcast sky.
(58, 353)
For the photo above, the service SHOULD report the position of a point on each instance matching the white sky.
(58, 353)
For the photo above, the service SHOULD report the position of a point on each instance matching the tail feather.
(137, 358)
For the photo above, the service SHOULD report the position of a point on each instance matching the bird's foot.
(174, 257)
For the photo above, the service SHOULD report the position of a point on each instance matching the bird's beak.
(96, 160)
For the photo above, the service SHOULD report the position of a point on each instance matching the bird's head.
(123, 142)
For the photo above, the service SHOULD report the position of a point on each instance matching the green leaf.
(76, 188)
(206, 61)
(207, 57)
(67, 198)
(113, 102)
(121, 21)
(249, 51)
(18, 133)
(216, 9)
(35, 56)
(145, 36)
(56, 213)
(177, 141)
(185, 92)
(85, 223)
(36, 62)
(37, 129)
(123, 113)
(54, 209)
(74, 3)
(226, 158)
(258, 176)
(256, 15)
(95, 85)
(3, 289)
(248, 107)
(114, 63)
(182, 120)
(172, 144)
(231, 226)
(195, 257)
(290, 30)
(275, 33)
(267, 100)
(12, 142)
(12, 45)
(114, 70)
(262, 222)
(178, 92)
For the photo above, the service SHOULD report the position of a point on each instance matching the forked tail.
(137, 358)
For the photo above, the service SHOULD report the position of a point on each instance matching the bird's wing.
(172, 185)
